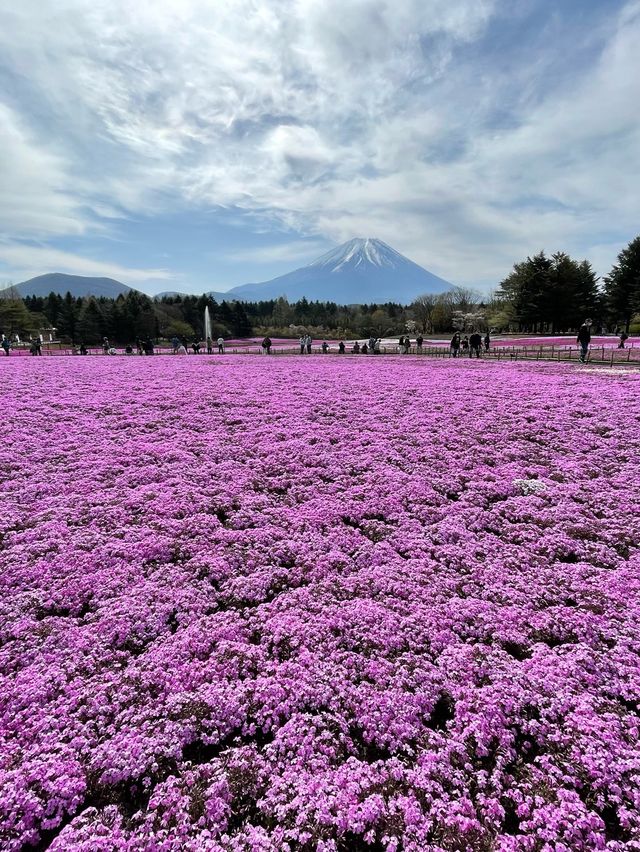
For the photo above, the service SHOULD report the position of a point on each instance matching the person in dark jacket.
(584, 339)
(487, 342)
(266, 346)
(475, 342)
(455, 345)
(341, 348)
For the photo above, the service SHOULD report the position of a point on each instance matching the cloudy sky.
(200, 144)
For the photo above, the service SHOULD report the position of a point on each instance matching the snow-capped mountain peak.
(357, 272)
(359, 252)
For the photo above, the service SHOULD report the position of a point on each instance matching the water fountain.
(207, 324)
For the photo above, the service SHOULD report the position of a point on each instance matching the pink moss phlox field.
(319, 604)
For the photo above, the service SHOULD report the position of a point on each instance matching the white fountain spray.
(207, 324)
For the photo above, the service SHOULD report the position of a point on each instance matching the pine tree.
(622, 285)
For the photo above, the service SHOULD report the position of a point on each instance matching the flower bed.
(319, 604)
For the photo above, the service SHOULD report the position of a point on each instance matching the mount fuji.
(358, 272)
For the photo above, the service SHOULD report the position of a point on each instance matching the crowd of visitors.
(471, 344)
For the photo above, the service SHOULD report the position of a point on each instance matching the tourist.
(196, 347)
(128, 349)
(376, 346)
(303, 345)
(175, 345)
(105, 345)
(221, 346)
(112, 351)
(209, 346)
(6, 344)
(475, 342)
(465, 343)
(341, 349)
(407, 345)
(584, 339)
(455, 345)
(140, 347)
(623, 336)
(148, 346)
(365, 349)
(325, 347)
(266, 345)
(419, 342)
(83, 349)
(372, 343)
(401, 344)
(36, 347)
(356, 348)
(487, 342)
(309, 341)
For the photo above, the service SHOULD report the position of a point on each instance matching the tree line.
(541, 294)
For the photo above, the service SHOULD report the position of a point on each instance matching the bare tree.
(423, 309)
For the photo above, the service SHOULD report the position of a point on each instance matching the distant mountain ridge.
(357, 272)
(77, 285)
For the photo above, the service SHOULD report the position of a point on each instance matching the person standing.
(105, 346)
(6, 344)
(623, 336)
(475, 342)
(266, 345)
(325, 347)
(455, 345)
(584, 339)
(209, 346)
(221, 346)
(303, 344)
(341, 348)
(419, 342)
(487, 342)
(407, 345)
(308, 341)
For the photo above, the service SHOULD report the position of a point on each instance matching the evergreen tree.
(89, 327)
(622, 285)
(14, 315)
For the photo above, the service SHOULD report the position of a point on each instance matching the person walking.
(419, 342)
(266, 346)
(487, 342)
(475, 342)
(455, 345)
(221, 346)
(401, 344)
(105, 346)
(303, 344)
(465, 343)
(623, 337)
(584, 339)
(407, 345)
(308, 341)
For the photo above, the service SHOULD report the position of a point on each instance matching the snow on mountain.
(359, 271)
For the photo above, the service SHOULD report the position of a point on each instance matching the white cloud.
(292, 252)
(335, 118)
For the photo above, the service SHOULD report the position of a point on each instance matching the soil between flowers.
(319, 604)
